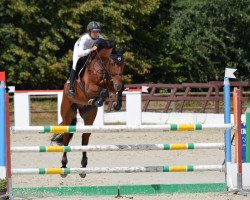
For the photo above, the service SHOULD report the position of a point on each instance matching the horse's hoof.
(82, 175)
(63, 175)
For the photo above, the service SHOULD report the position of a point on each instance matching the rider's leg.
(72, 81)
(74, 72)
(81, 64)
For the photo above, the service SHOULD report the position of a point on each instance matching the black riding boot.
(71, 91)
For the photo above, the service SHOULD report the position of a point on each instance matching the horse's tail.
(58, 138)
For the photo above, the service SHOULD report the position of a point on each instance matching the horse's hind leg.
(88, 113)
(66, 139)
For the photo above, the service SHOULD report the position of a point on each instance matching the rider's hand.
(93, 48)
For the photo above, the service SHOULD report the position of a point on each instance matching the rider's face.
(94, 34)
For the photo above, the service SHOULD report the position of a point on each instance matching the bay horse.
(102, 77)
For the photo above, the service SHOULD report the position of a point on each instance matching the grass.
(43, 112)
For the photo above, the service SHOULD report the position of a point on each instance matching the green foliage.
(169, 41)
(32, 44)
(205, 37)
(37, 37)
(3, 185)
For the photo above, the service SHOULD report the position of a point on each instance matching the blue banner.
(243, 136)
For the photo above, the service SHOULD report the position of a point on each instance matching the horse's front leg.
(104, 94)
(118, 104)
(97, 95)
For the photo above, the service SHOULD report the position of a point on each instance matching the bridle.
(107, 73)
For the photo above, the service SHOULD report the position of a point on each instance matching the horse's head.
(104, 47)
(111, 62)
(115, 68)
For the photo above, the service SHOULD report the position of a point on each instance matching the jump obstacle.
(187, 168)
(121, 129)
(143, 147)
(130, 147)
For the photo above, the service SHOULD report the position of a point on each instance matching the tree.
(205, 37)
(38, 36)
(31, 44)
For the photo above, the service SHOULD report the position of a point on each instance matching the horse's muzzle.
(117, 83)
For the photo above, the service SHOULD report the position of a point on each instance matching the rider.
(82, 48)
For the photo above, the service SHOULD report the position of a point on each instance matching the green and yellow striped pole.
(137, 169)
(59, 129)
(185, 127)
(119, 147)
(119, 128)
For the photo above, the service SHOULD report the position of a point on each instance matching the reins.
(106, 71)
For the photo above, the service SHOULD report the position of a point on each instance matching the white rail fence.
(132, 115)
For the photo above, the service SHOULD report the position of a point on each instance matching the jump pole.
(135, 169)
(235, 124)
(118, 128)
(2, 128)
(5, 159)
(119, 147)
(237, 114)
(227, 118)
(229, 73)
(8, 146)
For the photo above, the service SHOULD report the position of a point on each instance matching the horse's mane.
(116, 55)
(105, 44)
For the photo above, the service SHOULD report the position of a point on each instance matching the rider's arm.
(81, 50)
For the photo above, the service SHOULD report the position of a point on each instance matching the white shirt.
(83, 47)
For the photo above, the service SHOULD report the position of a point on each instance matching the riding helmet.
(93, 26)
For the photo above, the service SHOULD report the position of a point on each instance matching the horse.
(102, 77)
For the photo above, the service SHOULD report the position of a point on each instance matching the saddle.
(81, 65)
